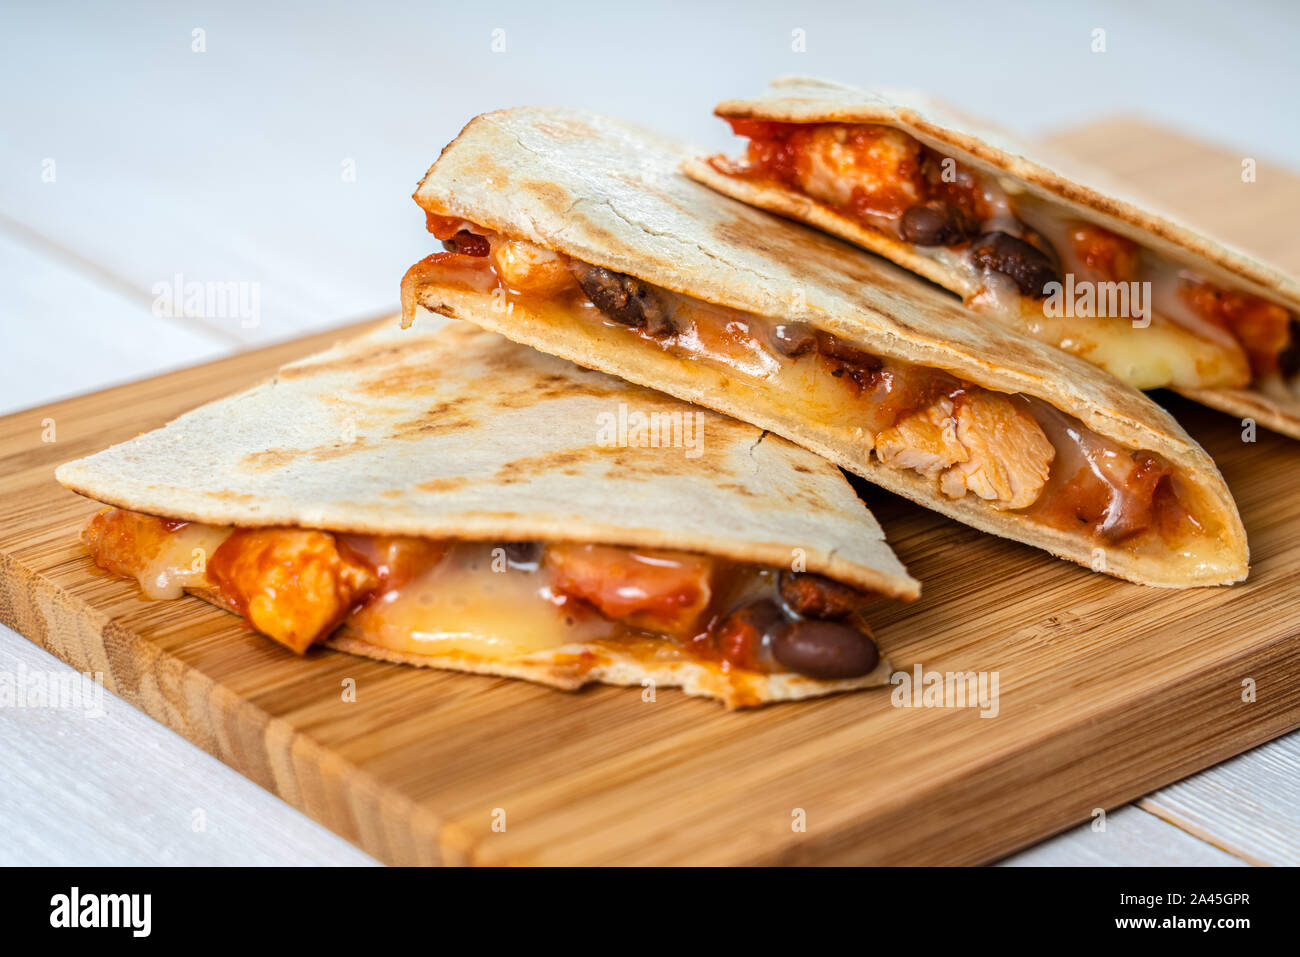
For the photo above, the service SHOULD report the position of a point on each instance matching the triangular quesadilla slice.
(1044, 245)
(445, 497)
(577, 235)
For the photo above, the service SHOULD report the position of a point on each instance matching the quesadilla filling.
(1012, 451)
(480, 601)
(1002, 253)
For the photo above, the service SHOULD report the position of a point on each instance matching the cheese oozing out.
(477, 604)
(451, 600)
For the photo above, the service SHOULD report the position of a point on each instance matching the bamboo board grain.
(1107, 690)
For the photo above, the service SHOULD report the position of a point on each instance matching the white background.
(227, 165)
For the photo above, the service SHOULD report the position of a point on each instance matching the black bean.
(794, 339)
(1039, 242)
(936, 224)
(816, 596)
(825, 649)
(1029, 266)
(467, 244)
(626, 300)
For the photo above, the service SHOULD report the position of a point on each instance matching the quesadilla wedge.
(577, 235)
(1045, 246)
(454, 500)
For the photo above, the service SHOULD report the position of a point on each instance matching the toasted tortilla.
(448, 431)
(575, 666)
(611, 194)
(1020, 166)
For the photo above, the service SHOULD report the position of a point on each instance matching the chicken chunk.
(291, 584)
(925, 441)
(881, 164)
(1009, 456)
(980, 442)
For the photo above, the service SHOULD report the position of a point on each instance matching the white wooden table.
(283, 153)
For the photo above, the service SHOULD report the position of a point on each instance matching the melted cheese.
(473, 603)
(1163, 354)
(1177, 348)
(181, 562)
(458, 602)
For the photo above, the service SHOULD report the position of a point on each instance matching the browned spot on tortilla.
(439, 419)
(506, 401)
(269, 459)
(635, 464)
(277, 458)
(487, 170)
(565, 462)
(543, 189)
(442, 409)
(337, 450)
(593, 384)
(423, 430)
(524, 394)
(352, 360)
(622, 462)
(226, 495)
(448, 484)
(738, 488)
(626, 466)
(415, 367)
(565, 129)
(410, 378)
(807, 497)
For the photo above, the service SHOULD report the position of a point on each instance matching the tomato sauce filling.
(873, 174)
(888, 181)
(1015, 452)
(495, 600)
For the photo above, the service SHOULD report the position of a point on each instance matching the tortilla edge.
(693, 678)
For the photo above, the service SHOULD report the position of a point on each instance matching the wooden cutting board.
(1106, 690)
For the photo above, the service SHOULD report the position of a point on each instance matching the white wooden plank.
(1248, 805)
(121, 789)
(64, 332)
(1132, 838)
